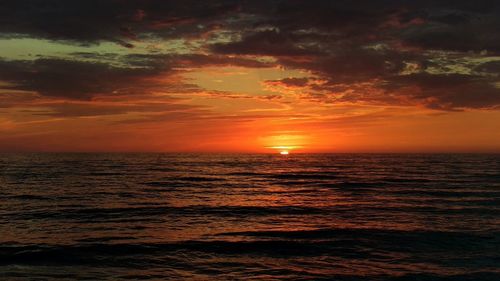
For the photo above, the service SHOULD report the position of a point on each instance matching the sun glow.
(283, 150)
(285, 143)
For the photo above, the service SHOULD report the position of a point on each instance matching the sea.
(161, 216)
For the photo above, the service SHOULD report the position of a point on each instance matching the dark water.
(243, 217)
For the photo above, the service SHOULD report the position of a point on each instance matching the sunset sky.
(250, 76)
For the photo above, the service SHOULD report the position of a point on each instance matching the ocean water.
(249, 217)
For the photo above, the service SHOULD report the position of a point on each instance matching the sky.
(250, 76)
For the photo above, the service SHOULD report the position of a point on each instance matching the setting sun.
(283, 149)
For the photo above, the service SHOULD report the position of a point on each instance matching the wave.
(246, 174)
(27, 197)
(96, 253)
(181, 181)
(360, 234)
(108, 254)
(305, 176)
(123, 216)
(342, 243)
(157, 211)
(101, 214)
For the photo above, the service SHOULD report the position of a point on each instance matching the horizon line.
(247, 152)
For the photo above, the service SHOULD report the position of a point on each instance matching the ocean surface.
(249, 217)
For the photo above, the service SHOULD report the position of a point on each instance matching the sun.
(283, 149)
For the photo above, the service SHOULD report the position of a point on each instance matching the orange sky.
(250, 79)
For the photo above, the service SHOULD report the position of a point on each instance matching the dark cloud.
(298, 82)
(449, 25)
(449, 91)
(271, 43)
(357, 64)
(477, 35)
(74, 79)
(162, 61)
(13, 98)
(441, 25)
(109, 74)
(199, 60)
(489, 68)
(400, 50)
(383, 51)
(92, 21)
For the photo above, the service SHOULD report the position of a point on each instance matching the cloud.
(108, 74)
(270, 43)
(200, 60)
(489, 68)
(75, 79)
(13, 98)
(92, 21)
(445, 25)
(449, 91)
(382, 52)
(88, 109)
(294, 82)
(435, 91)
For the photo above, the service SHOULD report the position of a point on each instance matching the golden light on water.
(284, 152)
